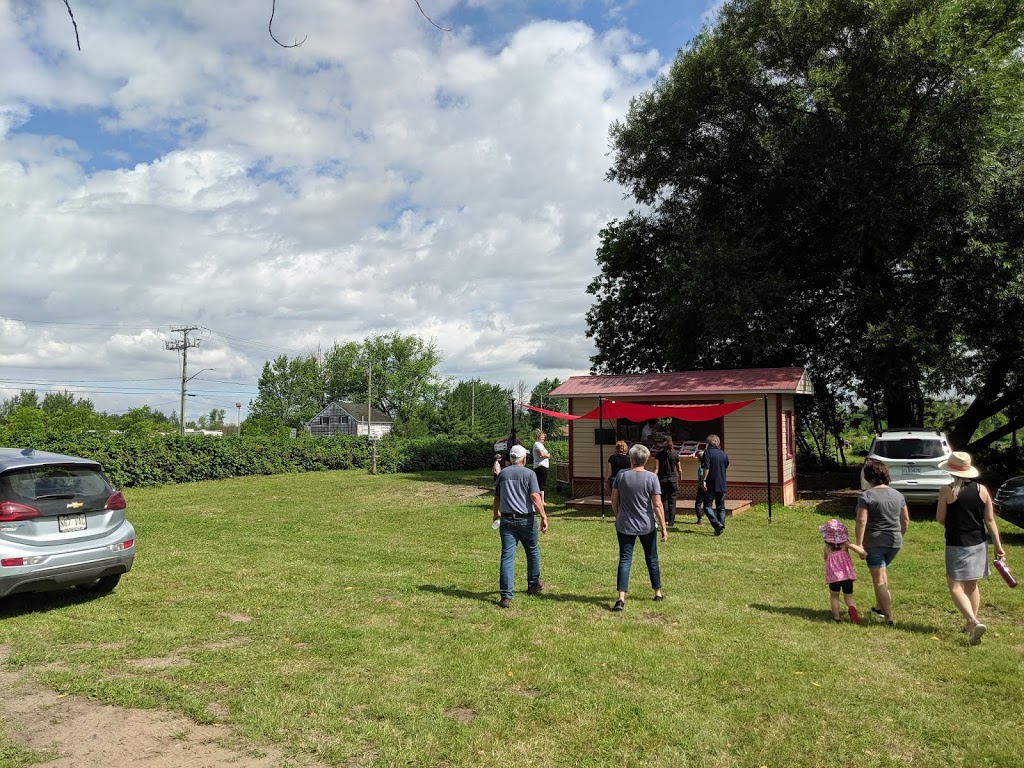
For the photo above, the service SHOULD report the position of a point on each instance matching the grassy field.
(353, 617)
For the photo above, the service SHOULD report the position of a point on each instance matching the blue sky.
(184, 170)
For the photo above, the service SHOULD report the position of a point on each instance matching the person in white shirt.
(540, 460)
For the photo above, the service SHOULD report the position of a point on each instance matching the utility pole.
(182, 345)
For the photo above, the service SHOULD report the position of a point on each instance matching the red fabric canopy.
(613, 409)
(553, 414)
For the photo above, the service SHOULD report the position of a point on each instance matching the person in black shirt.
(617, 462)
(669, 477)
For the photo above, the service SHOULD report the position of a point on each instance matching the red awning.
(613, 409)
(553, 414)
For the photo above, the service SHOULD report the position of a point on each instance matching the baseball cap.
(517, 452)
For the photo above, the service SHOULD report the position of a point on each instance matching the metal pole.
(767, 458)
(239, 422)
(600, 440)
(184, 364)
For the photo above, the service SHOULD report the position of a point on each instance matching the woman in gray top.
(882, 519)
(636, 505)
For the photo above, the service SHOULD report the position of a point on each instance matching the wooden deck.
(683, 506)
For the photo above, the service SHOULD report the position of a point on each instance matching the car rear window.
(909, 448)
(49, 489)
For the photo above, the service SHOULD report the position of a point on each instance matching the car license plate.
(68, 523)
(912, 470)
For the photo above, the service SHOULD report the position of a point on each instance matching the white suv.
(912, 457)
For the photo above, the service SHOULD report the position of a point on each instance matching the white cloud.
(383, 176)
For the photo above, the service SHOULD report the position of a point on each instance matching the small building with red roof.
(752, 410)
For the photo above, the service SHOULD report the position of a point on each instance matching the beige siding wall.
(586, 456)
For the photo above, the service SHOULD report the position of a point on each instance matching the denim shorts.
(880, 558)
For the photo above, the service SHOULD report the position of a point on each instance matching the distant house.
(348, 419)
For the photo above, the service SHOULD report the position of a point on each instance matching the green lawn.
(353, 617)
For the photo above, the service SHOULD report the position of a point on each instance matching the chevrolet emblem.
(75, 505)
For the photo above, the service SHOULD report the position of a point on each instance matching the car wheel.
(100, 586)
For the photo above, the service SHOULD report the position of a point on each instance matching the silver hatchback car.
(61, 524)
(912, 457)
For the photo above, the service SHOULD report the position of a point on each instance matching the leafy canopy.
(834, 184)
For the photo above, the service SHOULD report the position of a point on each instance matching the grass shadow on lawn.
(824, 617)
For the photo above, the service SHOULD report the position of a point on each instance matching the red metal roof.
(751, 380)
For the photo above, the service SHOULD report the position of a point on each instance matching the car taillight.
(12, 562)
(116, 501)
(12, 510)
(122, 545)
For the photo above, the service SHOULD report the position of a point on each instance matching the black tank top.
(965, 518)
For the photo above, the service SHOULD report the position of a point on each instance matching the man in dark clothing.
(669, 477)
(714, 462)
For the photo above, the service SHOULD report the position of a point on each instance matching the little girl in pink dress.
(839, 574)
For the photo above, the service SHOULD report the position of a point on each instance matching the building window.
(787, 434)
(344, 419)
(325, 419)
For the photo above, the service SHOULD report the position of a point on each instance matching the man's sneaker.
(506, 602)
(876, 612)
(535, 589)
(854, 616)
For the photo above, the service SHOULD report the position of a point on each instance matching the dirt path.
(80, 733)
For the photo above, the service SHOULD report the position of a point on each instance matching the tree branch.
(74, 24)
(443, 29)
(270, 28)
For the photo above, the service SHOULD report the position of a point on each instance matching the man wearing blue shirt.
(715, 461)
(516, 497)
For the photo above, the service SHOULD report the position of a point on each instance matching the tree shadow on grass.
(1012, 537)
(824, 617)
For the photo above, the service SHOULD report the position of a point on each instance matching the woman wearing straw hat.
(965, 509)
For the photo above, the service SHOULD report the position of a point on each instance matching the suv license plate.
(68, 523)
(912, 470)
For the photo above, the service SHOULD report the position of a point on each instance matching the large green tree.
(477, 408)
(397, 372)
(835, 184)
(291, 391)
(540, 397)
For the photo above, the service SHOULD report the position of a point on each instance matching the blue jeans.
(649, 541)
(513, 532)
(716, 515)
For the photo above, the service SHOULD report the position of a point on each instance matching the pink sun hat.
(834, 532)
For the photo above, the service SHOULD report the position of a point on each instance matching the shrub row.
(139, 460)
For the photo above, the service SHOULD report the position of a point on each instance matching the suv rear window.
(909, 448)
(49, 488)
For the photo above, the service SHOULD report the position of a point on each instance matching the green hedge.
(139, 460)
